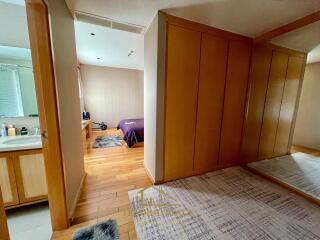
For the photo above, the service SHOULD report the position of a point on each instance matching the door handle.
(44, 134)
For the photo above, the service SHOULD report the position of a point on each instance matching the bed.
(133, 130)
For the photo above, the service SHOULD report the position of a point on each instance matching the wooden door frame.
(4, 231)
(41, 49)
(292, 26)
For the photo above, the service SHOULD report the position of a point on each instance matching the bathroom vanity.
(22, 171)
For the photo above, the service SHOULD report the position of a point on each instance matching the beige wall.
(154, 86)
(307, 129)
(65, 64)
(112, 94)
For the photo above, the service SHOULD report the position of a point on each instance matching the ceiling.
(248, 17)
(108, 47)
(306, 39)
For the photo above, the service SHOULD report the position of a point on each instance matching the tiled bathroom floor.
(30, 223)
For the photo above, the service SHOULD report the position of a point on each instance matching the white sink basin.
(23, 140)
(16, 143)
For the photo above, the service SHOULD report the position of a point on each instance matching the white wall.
(13, 25)
(112, 94)
(154, 88)
(307, 129)
(65, 66)
(150, 96)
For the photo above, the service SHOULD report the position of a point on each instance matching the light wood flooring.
(111, 173)
(311, 151)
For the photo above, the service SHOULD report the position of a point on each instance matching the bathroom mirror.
(17, 87)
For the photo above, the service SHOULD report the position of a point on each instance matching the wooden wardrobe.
(275, 83)
(207, 73)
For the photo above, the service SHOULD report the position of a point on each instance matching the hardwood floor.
(311, 151)
(111, 173)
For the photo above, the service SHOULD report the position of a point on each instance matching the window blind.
(10, 95)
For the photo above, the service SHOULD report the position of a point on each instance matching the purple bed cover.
(133, 130)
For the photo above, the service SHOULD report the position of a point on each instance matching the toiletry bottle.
(4, 130)
(11, 130)
(24, 131)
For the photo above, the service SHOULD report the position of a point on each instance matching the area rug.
(102, 231)
(299, 170)
(107, 141)
(225, 204)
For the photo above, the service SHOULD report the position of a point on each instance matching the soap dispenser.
(3, 130)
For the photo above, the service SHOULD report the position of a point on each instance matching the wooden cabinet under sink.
(22, 177)
(8, 181)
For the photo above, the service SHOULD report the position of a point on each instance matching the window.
(10, 94)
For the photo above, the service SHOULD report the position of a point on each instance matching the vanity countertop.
(16, 143)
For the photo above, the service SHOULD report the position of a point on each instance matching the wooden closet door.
(288, 106)
(234, 102)
(273, 103)
(214, 55)
(183, 58)
(261, 62)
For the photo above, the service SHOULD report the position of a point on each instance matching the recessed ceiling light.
(130, 53)
(92, 34)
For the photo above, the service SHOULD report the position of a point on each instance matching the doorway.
(44, 152)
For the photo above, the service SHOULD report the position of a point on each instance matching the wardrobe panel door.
(273, 103)
(234, 102)
(258, 88)
(183, 59)
(288, 106)
(214, 55)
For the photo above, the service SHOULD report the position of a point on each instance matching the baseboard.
(149, 174)
(74, 205)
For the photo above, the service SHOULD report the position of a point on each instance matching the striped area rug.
(299, 170)
(225, 204)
